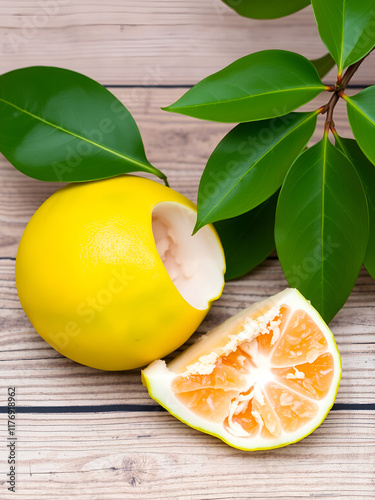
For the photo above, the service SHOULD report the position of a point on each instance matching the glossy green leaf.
(249, 238)
(58, 125)
(346, 28)
(322, 227)
(271, 9)
(258, 86)
(249, 165)
(323, 64)
(366, 171)
(361, 114)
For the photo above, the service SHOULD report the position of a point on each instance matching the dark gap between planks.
(146, 408)
(189, 86)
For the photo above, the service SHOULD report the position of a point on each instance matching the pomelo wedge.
(265, 378)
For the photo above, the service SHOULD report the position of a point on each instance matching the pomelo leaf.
(346, 28)
(59, 125)
(249, 165)
(322, 227)
(249, 238)
(366, 171)
(323, 64)
(272, 9)
(258, 86)
(361, 114)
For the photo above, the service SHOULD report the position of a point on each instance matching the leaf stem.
(165, 180)
(334, 131)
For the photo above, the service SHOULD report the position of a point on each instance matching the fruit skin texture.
(91, 281)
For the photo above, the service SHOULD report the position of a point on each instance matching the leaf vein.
(77, 136)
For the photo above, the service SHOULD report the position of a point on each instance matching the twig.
(328, 108)
(338, 92)
(349, 73)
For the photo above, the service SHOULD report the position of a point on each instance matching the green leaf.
(258, 86)
(346, 28)
(361, 114)
(271, 9)
(249, 238)
(366, 171)
(58, 125)
(322, 227)
(323, 65)
(249, 165)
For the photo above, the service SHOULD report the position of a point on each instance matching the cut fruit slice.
(264, 378)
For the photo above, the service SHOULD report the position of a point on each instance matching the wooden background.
(95, 435)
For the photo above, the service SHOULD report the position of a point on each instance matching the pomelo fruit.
(264, 378)
(110, 276)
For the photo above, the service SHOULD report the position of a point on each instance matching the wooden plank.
(180, 146)
(151, 456)
(145, 42)
(176, 144)
(26, 361)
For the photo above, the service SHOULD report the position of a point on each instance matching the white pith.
(196, 263)
(159, 376)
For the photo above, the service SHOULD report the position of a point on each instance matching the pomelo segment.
(264, 378)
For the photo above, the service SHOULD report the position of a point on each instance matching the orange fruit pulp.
(265, 376)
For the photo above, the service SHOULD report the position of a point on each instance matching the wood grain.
(176, 144)
(144, 45)
(28, 362)
(147, 42)
(153, 456)
(180, 146)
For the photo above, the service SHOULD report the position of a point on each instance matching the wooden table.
(95, 435)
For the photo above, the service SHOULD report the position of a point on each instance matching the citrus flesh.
(109, 274)
(265, 378)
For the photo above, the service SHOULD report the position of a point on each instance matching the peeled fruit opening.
(264, 378)
(195, 264)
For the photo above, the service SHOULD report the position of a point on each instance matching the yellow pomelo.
(109, 274)
(264, 378)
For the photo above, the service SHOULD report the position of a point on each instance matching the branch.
(338, 91)
(349, 73)
(328, 108)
